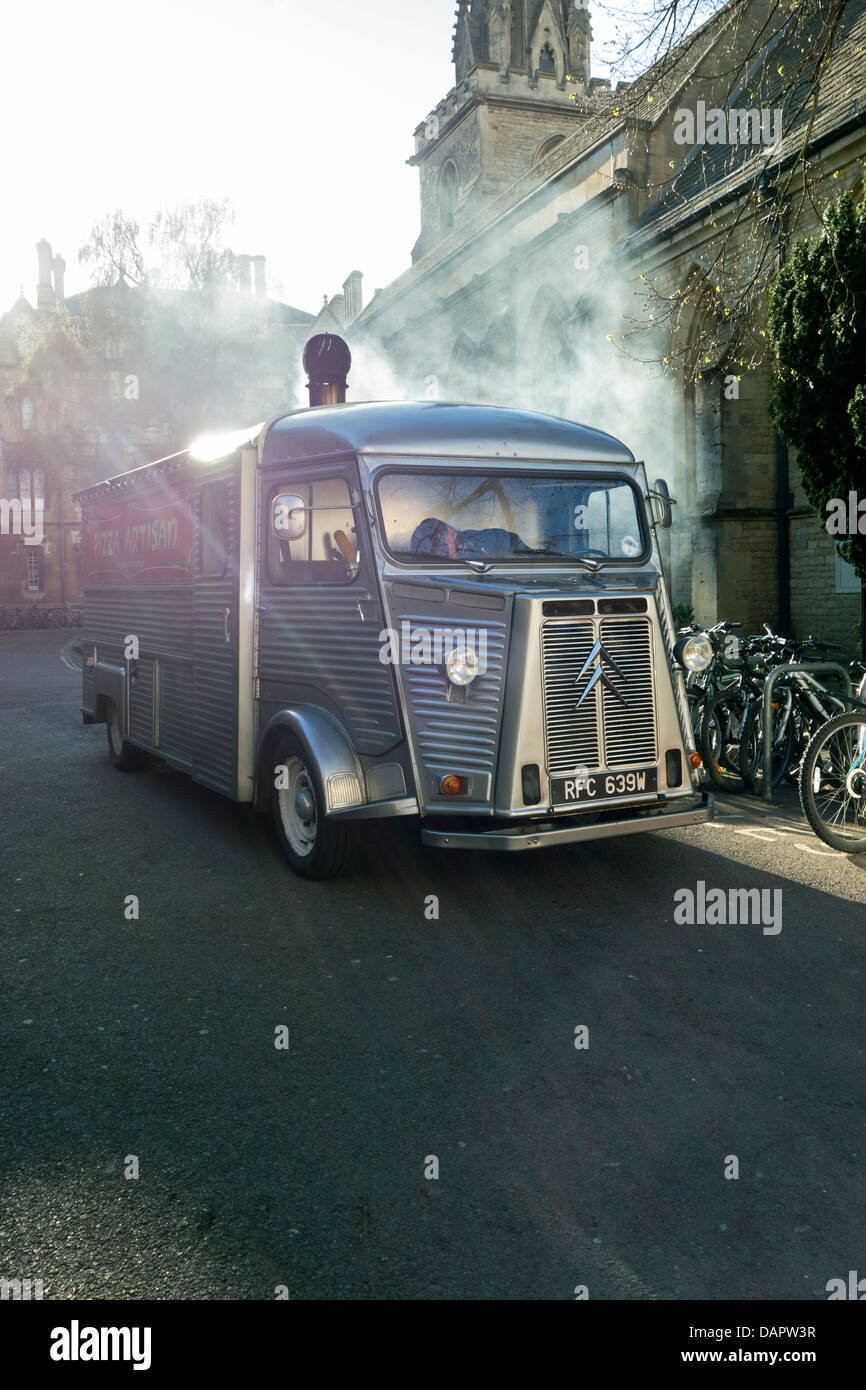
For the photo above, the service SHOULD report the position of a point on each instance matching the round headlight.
(697, 653)
(461, 666)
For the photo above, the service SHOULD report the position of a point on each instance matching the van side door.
(320, 615)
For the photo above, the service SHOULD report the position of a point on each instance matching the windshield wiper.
(482, 566)
(592, 565)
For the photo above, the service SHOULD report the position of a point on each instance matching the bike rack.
(767, 708)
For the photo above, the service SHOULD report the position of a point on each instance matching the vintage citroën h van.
(448, 611)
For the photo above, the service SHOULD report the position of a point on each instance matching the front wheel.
(833, 783)
(752, 744)
(316, 848)
(719, 747)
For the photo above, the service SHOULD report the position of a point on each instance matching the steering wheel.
(602, 554)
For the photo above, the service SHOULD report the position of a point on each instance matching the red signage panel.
(147, 536)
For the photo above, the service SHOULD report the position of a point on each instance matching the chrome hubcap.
(297, 804)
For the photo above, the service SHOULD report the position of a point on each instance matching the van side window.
(318, 545)
(215, 528)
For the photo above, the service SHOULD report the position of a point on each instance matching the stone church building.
(588, 251)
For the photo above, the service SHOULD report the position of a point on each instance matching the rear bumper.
(546, 833)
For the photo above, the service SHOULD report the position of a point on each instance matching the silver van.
(452, 612)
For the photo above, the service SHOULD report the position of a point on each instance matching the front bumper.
(544, 834)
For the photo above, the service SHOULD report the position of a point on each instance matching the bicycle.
(801, 704)
(704, 685)
(725, 715)
(833, 778)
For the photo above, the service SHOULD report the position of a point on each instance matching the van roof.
(437, 429)
(407, 429)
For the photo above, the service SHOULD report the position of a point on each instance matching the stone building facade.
(100, 382)
(561, 220)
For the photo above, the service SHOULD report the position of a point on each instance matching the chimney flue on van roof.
(327, 360)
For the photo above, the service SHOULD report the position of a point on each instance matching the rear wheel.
(316, 848)
(125, 756)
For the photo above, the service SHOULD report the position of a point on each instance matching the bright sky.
(300, 112)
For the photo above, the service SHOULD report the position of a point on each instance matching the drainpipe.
(767, 192)
(784, 501)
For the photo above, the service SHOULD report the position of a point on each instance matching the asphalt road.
(409, 1038)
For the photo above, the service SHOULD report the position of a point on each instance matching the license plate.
(599, 786)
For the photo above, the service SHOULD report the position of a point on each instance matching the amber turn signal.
(454, 786)
(695, 759)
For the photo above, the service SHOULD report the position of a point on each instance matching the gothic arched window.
(547, 59)
(553, 364)
(447, 196)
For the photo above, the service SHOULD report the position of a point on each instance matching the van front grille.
(600, 731)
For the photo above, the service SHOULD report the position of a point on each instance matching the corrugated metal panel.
(176, 718)
(160, 616)
(463, 734)
(215, 661)
(141, 702)
(315, 637)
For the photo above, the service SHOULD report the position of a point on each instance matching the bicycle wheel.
(751, 762)
(720, 739)
(833, 783)
(695, 701)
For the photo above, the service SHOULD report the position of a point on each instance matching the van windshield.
(496, 516)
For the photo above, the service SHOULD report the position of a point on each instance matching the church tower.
(522, 83)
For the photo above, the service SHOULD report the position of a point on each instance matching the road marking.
(69, 661)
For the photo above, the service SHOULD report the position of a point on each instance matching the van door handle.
(228, 614)
(364, 602)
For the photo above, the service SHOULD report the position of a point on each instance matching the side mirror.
(661, 504)
(289, 517)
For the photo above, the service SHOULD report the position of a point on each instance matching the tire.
(721, 764)
(695, 704)
(124, 756)
(316, 848)
(822, 740)
(752, 750)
